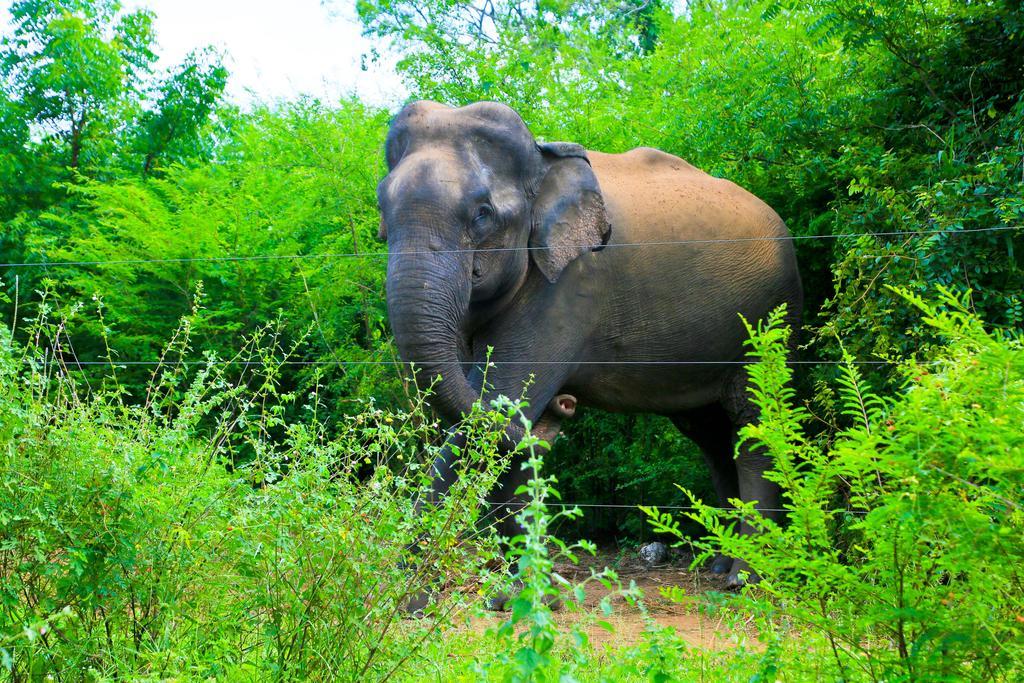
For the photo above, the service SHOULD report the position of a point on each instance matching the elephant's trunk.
(428, 296)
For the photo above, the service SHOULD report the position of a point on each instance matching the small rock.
(653, 553)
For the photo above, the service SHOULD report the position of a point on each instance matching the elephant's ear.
(569, 217)
(382, 231)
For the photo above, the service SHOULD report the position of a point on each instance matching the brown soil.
(685, 617)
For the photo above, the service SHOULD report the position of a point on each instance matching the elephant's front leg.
(443, 477)
(505, 503)
(546, 428)
(507, 500)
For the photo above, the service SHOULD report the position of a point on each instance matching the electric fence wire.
(260, 363)
(424, 252)
(627, 506)
(663, 243)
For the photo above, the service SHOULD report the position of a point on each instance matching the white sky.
(274, 48)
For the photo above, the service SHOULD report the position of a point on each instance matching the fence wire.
(627, 506)
(436, 252)
(73, 363)
(260, 363)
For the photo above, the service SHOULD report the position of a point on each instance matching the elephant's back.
(681, 217)
(688, 254)
(653, 195)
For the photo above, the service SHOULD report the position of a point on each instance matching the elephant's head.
(468, 190)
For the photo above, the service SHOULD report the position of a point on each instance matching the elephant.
(613, 280)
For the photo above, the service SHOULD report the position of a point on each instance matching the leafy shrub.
(525, 641)
(133, 545)
(283, 187)
(902, 551)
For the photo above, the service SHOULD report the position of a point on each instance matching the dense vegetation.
(241, 508)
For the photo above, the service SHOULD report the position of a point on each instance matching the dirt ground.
(686, 618)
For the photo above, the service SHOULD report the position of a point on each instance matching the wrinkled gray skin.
(469, 189)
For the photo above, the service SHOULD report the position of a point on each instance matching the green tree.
(529, 55)
(173, 130)
(256, 231)
(76, 67)
(14, 135)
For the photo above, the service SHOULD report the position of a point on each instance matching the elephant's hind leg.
(751, 465)
(711, 429)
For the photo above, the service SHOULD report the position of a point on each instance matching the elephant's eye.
(483, 214)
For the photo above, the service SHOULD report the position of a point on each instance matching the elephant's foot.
(721, 564)
(740, 575)
(417, 603)
(501, 600)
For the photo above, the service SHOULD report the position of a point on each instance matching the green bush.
(290, 181)
(902, 553)
(131, 544)
(134, 544)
